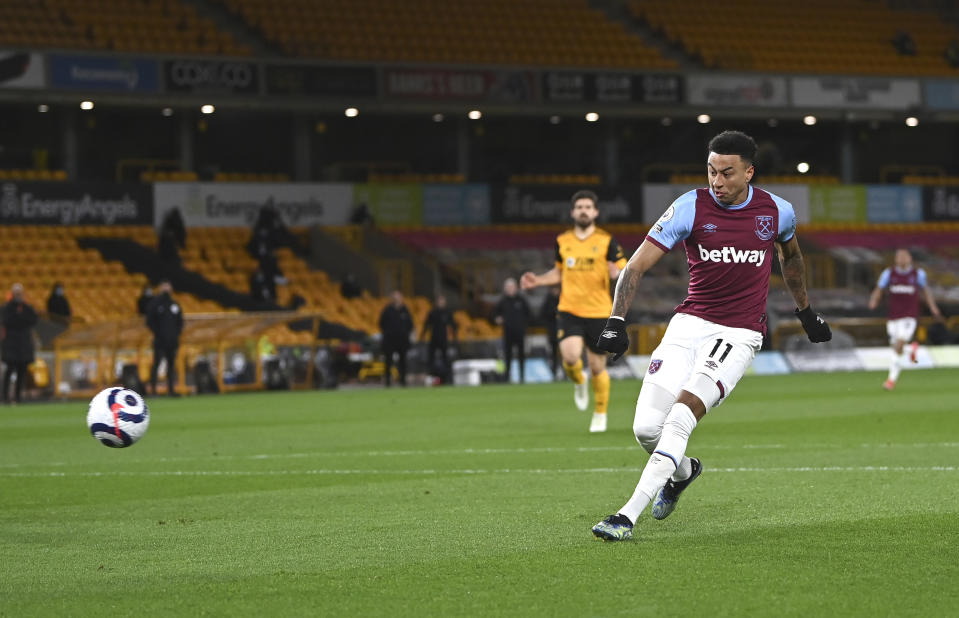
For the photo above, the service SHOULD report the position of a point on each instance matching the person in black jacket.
(440, 325)
(58, 307)
(165, 319)
(548, 315)
(146, 297)
(512, 313)
(17, 347)
(396, 325)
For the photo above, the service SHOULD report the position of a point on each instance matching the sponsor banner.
(21, 70)
(466, 204)
(877, 359)
(638, 363)
(577, 87)
(550, 204)
(945, 355)
(893, 204)
(470, 372)
(767, 364)
(392, 204)
(824, 360)
(233, 204)
(103, 73)
(736, 91)
(941, 94)
(621, 371)
(940, 203)
(657, 198)
(298, 79)
(829, 203)
(459, 85)
(67, 203)
(211, 76)
(855, 92)
(535, 371)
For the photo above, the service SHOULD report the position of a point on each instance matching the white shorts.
(901, 329)
(693, 345)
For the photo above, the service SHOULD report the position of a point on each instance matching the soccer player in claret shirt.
(729, 231)
(903, 282)
(587, 260)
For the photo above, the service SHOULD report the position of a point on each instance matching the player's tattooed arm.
(794, 271)
(626, 286)
(628, 282)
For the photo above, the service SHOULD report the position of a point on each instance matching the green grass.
(822, 495)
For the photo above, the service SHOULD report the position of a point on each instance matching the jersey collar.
(743, 204)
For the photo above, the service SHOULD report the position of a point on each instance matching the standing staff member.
(165, 320)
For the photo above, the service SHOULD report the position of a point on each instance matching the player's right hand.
(614, 338)
(528, 280)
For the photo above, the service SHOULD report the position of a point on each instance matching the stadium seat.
(493, 32)
(850, 37)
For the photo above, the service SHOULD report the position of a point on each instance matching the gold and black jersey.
(583, 265)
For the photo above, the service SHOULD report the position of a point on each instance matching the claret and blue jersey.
(729, 250)
(903, 287)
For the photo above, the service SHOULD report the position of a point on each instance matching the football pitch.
(822, 494)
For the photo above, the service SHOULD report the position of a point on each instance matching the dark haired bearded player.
(728, 231)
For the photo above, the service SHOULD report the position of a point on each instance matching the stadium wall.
(473, 372)
(226, 204)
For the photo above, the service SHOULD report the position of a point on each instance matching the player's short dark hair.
(734, 143)
(584, 194)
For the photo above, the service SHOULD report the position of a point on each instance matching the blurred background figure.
(165, 320)
(58, 307)
(548, 316)
(396, 326)
(146, 297)
(441, 329)
(262, 287)
(16, 349)
(903, 282)
(350, 287)
(512, 313)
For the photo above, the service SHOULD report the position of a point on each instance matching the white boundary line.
(500, 451)
(462, 472)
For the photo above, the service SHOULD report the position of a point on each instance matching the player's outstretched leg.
(667, 498)
(614, 528)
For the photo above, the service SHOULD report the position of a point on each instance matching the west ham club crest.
(654, 366)
(764, 227)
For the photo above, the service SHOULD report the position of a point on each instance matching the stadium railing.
(236, 348)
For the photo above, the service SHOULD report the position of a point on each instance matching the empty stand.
(154, 26)
(820, 37)
(98, 290)
(220, 255)
(33, 174)
(533, 32)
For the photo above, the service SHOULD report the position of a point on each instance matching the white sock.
(896, 366)
(684, 471)
(670, 451)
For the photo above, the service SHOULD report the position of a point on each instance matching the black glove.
(614, 338)
(816, 328)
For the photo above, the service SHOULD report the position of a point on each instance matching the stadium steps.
(137, 258)
(618, 12)
(241, 31)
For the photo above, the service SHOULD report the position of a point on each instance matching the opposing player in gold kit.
(588, 259)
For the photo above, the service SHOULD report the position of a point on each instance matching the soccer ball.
(118, 417)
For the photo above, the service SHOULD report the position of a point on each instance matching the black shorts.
(569, 325)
